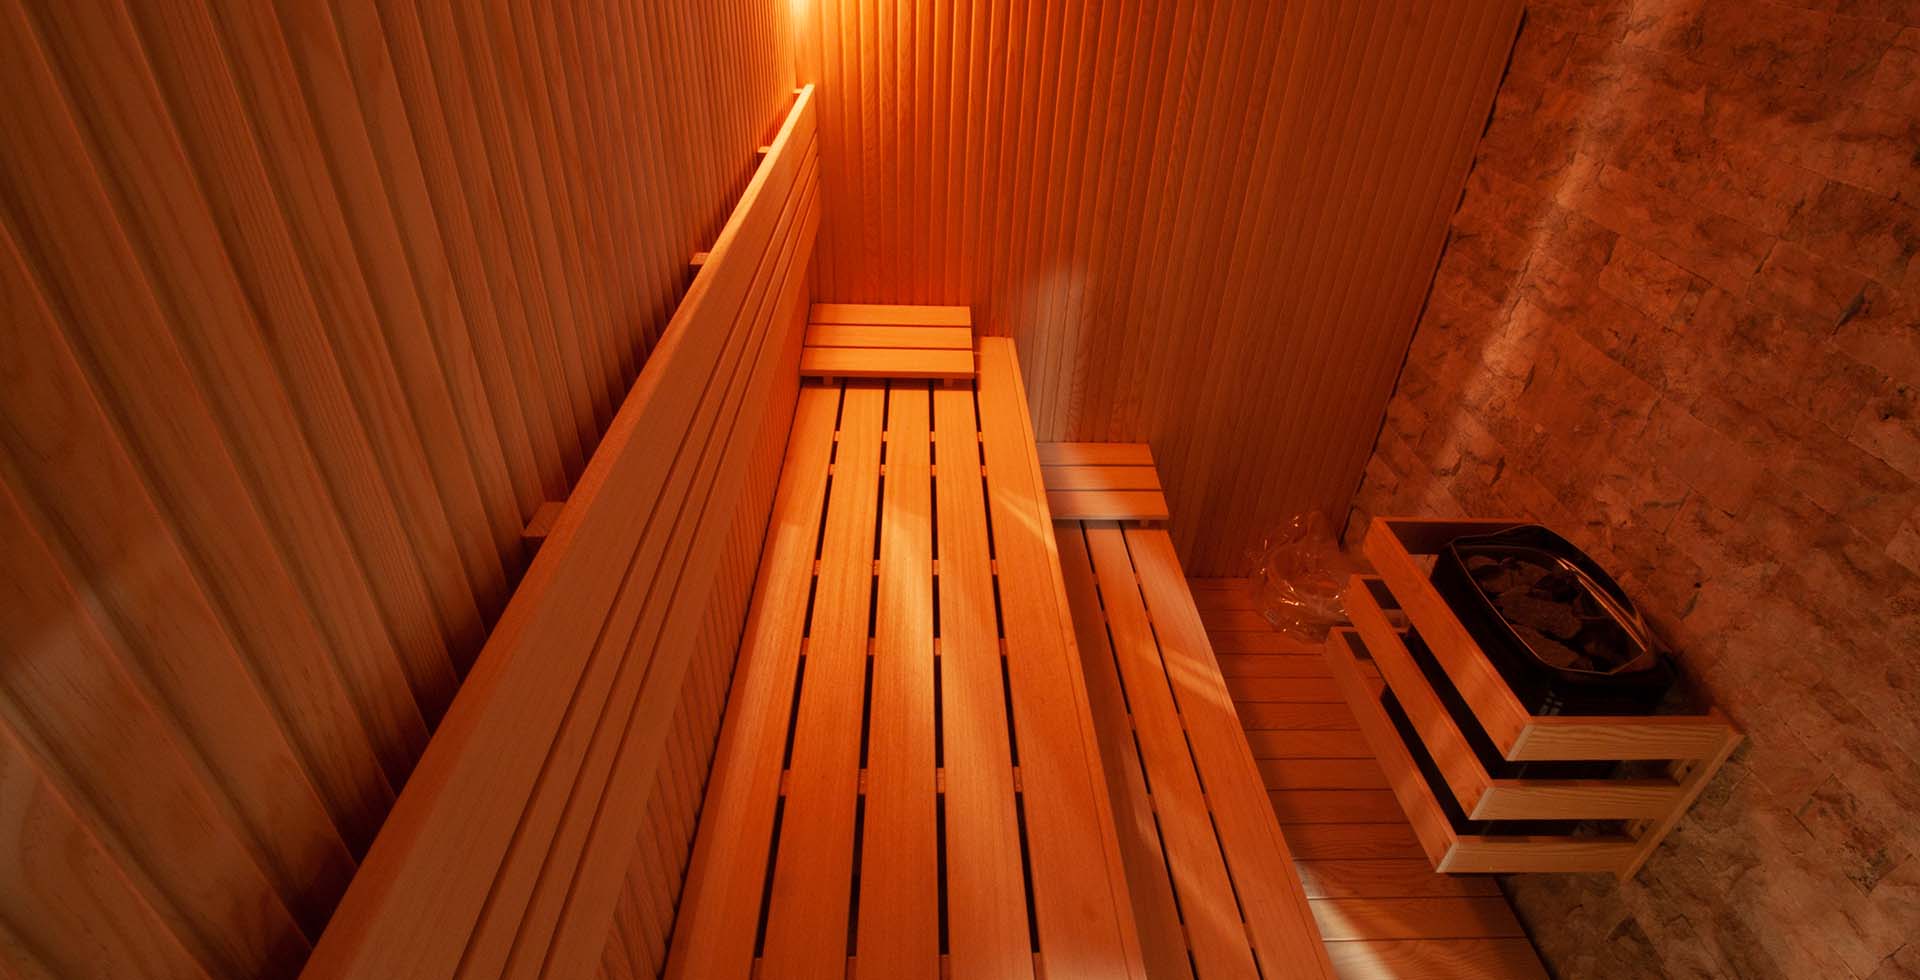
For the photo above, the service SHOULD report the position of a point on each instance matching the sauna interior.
(960, 489)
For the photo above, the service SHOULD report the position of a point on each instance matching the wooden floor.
(1380, 908)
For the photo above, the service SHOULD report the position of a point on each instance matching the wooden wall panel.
(306, 308)
(1208, 224)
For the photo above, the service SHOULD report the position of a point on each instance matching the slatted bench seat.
(908, 783)
(1212, 883)
(908, 779)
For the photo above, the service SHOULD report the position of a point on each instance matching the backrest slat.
(506, 850)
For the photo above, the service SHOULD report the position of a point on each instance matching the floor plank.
(1398, 960)
(1306, 744)
(1335, 806)
(1388, 879)
(1353, 841)
(1303, 773)
(1263, 641)
(1415, 918)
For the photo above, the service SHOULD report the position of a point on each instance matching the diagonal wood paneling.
(306, 308)
(1209, 225)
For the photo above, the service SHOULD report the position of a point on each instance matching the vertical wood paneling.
(306, 308)
(1209, 225)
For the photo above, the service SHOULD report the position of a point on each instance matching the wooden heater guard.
(1693, 745)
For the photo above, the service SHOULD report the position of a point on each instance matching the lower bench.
(1212, 883)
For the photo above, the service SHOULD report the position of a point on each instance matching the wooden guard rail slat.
(1692, 745)
(506, 850)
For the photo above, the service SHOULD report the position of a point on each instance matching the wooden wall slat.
(308, 307)
(1208, 225)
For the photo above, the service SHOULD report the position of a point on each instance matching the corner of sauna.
(843, 488)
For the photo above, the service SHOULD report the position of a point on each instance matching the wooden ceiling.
(1209, 225)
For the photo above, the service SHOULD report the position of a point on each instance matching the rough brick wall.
(1679, 319)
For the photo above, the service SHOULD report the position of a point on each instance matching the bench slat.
(1275, 905)
(1083, 916)
(947, 316)
(986, 890)
(867, 335)
(728, 870)
(812, 876)
(1214, 931)
(879, 362)
(1162, 940)
(1107, 505)
(899, 926)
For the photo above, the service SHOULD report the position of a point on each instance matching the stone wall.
(1677, 319)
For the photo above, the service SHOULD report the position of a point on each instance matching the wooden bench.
(908, 783)
(908, 779)
(1213, 885)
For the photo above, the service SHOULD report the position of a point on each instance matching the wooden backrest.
(508, 848)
